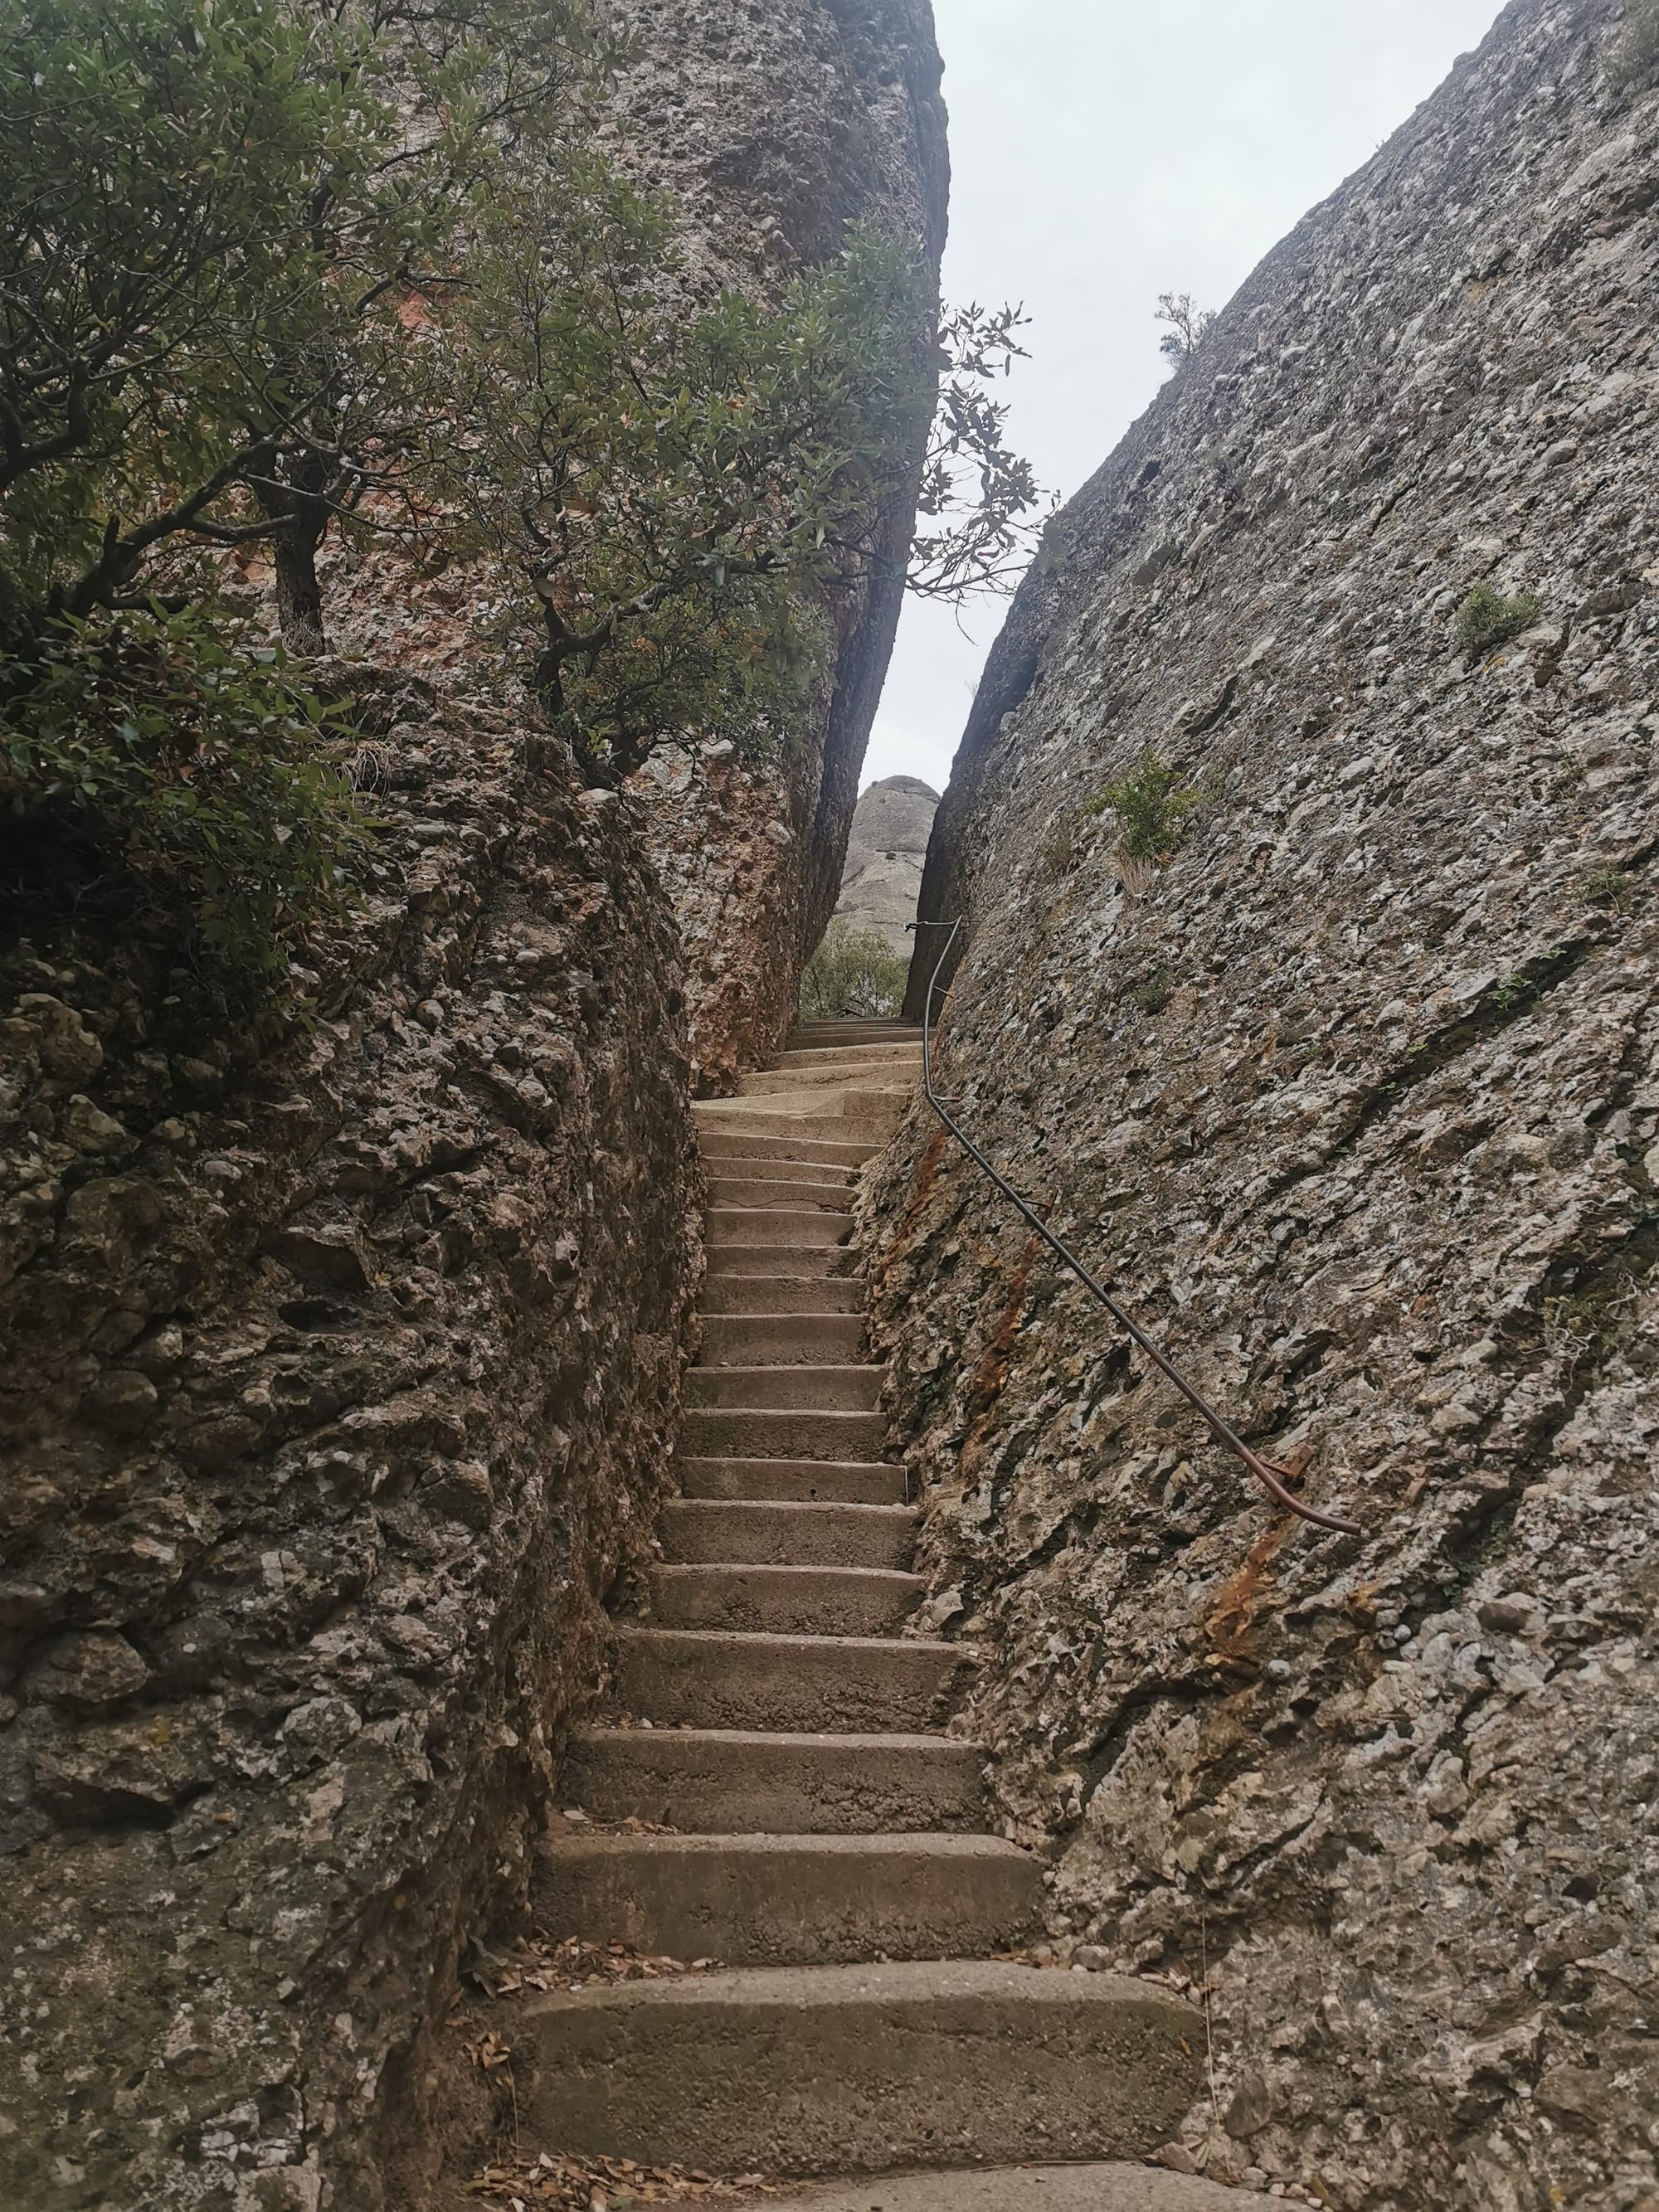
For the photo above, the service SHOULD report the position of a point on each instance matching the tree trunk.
(296, 497)
(299, 595)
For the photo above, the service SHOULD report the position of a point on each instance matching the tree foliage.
(150, 774)
(1188, 325)
(673, 489)
(1488, 617)
(271, 268)
(211, 215)
(855, 974)
(1154, 808)
(981, 538)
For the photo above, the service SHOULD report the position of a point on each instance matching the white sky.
(1104, 151)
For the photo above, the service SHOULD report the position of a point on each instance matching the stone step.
(782, 1339)
(790, 1900)
(893, 1099)
(881, 1105)
(793, 2069)
(720, 1532)
(870, 1132)
(835, 1390)
(852, 1030)
(852, 1056)
(1115, 2188)
(830, 1685)
(785, 1601)
(751, 1167)
(763, 1292)
(744, 1432)
(738, 1782)
(782, 1260)
(725, 1191)
(795, 1480)
(870, 1065)
(798, 1227)
(824, 1153)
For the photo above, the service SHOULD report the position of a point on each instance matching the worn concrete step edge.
(791, 1151)
(746, 1432)
(780, 1533)
(800, 1194)
(787, 1600)
(745, 1781)
(872, 1066)
(833, 1685)
(791, 1482)
(865, 1100)
(766, 1293)
(871, 1131)
(799, 2070)
(785, 1388)
(853, 1034)
(1115, 2188)
(778, 1340)
(781, 1172)
(775, 1224)
(793, 1263)
(852, 1055)
(784, 1900)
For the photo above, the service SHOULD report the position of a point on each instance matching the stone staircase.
(815, 1829)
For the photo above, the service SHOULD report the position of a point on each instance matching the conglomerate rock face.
(1355, 1102)
(882, 880)
(337, 1379)
(775, 126)
(338, 1391)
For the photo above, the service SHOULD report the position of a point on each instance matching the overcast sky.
(1104, 151)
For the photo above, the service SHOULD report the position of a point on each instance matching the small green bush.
(1486, 618)
(155, 777)
(1154, 809)
(1635, 58)
(1608, 887)
(854, 973)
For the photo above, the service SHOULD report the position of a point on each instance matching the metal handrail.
(1274, 1480)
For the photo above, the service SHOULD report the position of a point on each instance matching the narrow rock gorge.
(341, 1374)
(456, 1548)
(1346, 1080)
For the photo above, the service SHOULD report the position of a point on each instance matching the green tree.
(269, 266)
(855, 972)
(152, 157)
(213, 214)
(1486, 618)
(673, 487)
(450, 90)
(1189, 324)
(159, 294)
(153, 778)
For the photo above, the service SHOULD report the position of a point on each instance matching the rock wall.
(1355, 1101)
(338, 1379)
(775, 127)
(337, 1391)
(885, 850)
